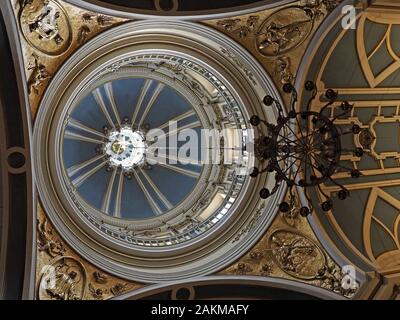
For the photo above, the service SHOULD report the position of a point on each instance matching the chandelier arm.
(338, 165)
(286, 138)
(338, 184)
(309, 200)
(290, 166)
(332, 101)
(279, 107)
(323, 193)
(286, 156)
(345, 112)
(297, 171)
(294, 100)
(313, 96)
(288, 126)
(300, 129)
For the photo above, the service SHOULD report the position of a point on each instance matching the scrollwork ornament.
(243, 31)
(100, 277)
(97, 293)
(118, 289)
(283, 70)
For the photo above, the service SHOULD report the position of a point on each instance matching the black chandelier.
(303, 148)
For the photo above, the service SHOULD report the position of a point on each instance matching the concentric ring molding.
(221, 245)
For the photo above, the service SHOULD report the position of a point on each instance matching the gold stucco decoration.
(61, 274)
(290, 250)
(51, 30)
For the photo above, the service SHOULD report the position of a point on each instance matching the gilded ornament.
(366, 138)
(46, 242)
(243, 268)
(64, 279)
(45, 26)
(118, 289)
(38, 76)
(97, 293)
(282, 69)
(286, 29)
(100, 277)
(296, 254)
(83, 34)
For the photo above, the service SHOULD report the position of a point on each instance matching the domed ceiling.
(110, 169)
(124, 150)
(143, 144)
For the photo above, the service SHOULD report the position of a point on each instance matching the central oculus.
(126, 148)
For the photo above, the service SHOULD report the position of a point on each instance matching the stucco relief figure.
(279, 37)
(297, 255)
(286, 29)
(42, 19)
(45, 26)
(65, 286)
(38, 76)
(64, 279)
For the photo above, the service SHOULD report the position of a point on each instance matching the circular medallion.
(284, 30)
(64, 279)
(45, 26)
(297, 255)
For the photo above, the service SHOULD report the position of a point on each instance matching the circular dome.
(107, 154)
(143, 146)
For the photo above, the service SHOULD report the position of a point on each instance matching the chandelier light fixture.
(304, 147)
